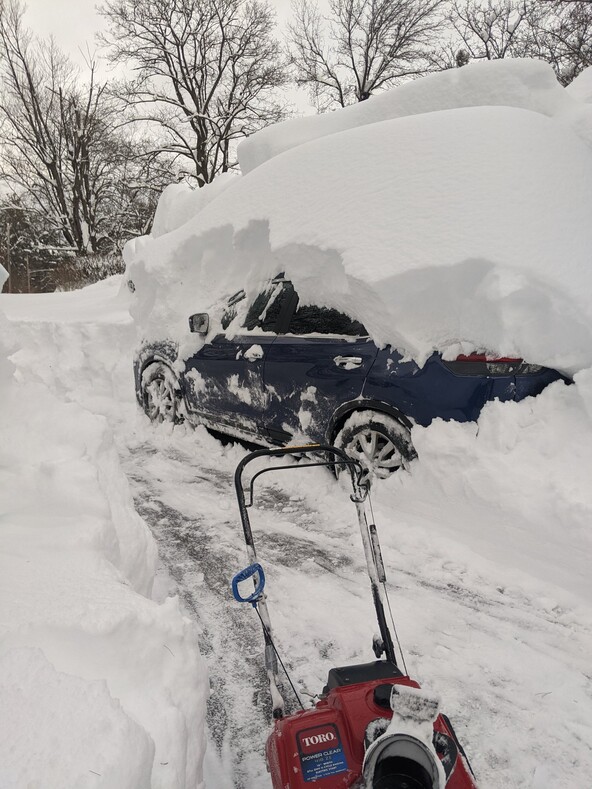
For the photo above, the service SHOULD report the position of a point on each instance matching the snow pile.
(523, 472)
(178, 203)
(581, 87)
(525, 84)
(99, 684)
(78, 344)
(466, 228)
(106, 748)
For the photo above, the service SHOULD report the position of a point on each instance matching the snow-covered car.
(274, 370)
(437, 241)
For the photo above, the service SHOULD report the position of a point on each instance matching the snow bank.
(525, 84)
(464, 228)
(102, 303)
(99, 684)
(516, 488)
(581, 87)
(106, 748)
(179, 202)
(78, 344)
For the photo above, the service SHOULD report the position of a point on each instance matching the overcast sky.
(74, 23)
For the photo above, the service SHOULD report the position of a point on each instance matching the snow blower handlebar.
(340, 459)
(369, 541)
(359, 494)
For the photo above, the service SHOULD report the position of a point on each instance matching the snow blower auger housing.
(373, 727)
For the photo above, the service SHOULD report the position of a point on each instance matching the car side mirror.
(199, 323)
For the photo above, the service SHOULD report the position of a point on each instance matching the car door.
(224, 380)
(319, 361)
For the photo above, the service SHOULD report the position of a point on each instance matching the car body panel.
(424, 393)
(224, 380)
(434, 391)
(308, 386)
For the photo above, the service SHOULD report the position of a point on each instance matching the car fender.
(361, 404)
(164, 353)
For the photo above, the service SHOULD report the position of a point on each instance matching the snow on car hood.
(467, 227)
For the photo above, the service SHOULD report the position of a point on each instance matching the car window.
(311, 319)
(267, 307)
(230, 312)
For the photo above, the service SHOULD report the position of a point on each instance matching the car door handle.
(348, 362)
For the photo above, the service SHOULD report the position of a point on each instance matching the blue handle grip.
(249, 572)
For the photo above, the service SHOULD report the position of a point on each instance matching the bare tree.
(34, 80)
(489, 30)
(565, 40)
(361, 47)
(206, 74)
(63, 154)
(558, 31)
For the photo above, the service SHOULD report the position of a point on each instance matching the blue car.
(277, 371)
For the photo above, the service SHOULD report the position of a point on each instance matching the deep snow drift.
(526, 84)
(465, 228)
(100, 686)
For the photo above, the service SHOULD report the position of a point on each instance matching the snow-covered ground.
(101, 680)
(487, 539)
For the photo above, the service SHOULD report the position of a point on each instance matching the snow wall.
(100, 686)
(453, 213)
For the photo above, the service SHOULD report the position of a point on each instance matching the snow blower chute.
(373, 727)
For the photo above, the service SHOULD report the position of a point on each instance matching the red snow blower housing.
(373, 728)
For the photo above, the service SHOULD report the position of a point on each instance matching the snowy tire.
(380, 443)
(161, 396)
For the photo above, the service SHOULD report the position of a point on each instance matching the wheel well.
(342, 415)
(166, 371)
(164, 352)
(152, 361)
(156, 360)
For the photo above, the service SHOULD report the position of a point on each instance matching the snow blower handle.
(257, 600)
(340, 458)
(254, 571)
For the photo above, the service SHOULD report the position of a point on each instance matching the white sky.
(74, 23)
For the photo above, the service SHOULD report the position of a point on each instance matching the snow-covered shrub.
(81, 270)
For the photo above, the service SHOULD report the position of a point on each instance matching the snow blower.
(373, 727)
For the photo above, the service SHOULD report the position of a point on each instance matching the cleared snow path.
(199, 560)
(188, 505)
(512, 667)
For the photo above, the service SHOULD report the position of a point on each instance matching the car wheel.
(380, 443)
(161, 397)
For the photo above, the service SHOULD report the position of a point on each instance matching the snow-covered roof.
(527, 84)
